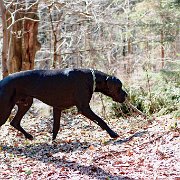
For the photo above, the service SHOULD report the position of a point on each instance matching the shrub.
(159, 95)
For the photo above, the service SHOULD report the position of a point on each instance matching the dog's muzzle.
(124, 96)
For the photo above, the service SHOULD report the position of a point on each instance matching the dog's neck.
(94, 79)
(100, 82)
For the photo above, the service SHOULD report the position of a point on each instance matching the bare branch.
(21, 19)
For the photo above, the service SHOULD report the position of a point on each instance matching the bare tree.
(20, 29)
(5, 39)
(55, 21)
(115, 36)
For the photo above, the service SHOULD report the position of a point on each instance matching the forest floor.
(145, 149)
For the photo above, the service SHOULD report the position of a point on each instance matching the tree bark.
(22, 36)
(162, 49)
(5, 39)
(56, 34)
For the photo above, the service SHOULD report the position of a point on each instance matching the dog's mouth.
(123, 100)
(120, 100)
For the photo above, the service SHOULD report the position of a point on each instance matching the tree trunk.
(5, 39)
(177, 41)
(31, 44)
(129, 46)
(22, 37)
(56, 33)
(162, 49)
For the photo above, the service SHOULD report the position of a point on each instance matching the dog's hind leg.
(5, 112)
(6, 106)
(23, 107)
(56, 124)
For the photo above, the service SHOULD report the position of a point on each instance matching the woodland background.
(136, 40)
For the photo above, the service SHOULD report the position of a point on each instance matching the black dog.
(60, 89)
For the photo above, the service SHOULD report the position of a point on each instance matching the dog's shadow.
(127, 139)
(64, 147)
(45, 152)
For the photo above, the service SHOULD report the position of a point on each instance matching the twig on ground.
(134, 108)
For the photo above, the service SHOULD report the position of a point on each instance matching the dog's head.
(114, 89)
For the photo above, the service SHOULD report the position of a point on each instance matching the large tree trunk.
(5, 40)
(22, 36)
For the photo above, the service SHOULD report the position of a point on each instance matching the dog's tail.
(8, 90)
(6, 106)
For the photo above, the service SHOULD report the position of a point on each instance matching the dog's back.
(53, 87)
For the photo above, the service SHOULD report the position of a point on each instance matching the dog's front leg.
(56, 124)
(92, 116)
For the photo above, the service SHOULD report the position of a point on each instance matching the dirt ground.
(146, 149)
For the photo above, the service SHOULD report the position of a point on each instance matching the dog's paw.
(28, 136)
(54, 137)
(114, 135)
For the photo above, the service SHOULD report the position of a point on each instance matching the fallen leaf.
(91, 147)
(129, 153)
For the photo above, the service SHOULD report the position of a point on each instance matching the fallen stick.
(134, 108)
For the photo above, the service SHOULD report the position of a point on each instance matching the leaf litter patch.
(83, 151)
